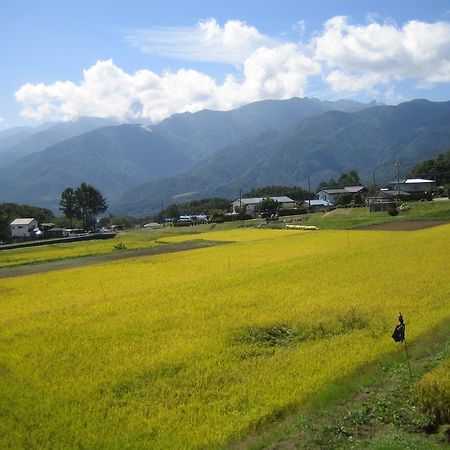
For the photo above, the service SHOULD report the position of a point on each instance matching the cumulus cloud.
(109, 91)
(208, 41)
(360, 57)
(347, 58)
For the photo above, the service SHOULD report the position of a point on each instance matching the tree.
(123, 222)
(83, 203)
(68, 205)
(346, 179)
(294, 192)
(349, 179)
(268, 207)
(90, 202)
(11, 211)
(437, 169)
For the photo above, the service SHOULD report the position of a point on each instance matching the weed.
(119, 246)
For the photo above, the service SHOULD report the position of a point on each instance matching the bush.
(393, 212)
(119, 246)
(432, 393)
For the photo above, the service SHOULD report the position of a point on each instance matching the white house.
(250, 204)
(411, 185)
(23, 227)
(331, 195)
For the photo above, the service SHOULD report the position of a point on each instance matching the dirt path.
(404, 225)
(70, 263)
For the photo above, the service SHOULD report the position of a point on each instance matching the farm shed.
(23, 228)
(332, 195)
(412, 185)
(317, 205)
(250, 204)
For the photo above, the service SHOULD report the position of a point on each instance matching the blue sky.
(145, 60)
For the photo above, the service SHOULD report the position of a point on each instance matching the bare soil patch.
(70, 263)
(404, 225)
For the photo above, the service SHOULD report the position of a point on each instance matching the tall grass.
(432, 392)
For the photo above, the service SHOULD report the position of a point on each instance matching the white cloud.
(208, 41)
(349, 59)
(2, 119)
(108, 91)
(362, 56)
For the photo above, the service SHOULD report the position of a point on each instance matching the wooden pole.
(407, 358)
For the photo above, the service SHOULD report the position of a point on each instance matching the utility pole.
(240, 206)
(309, 191)
(397, 166)
(374, 186)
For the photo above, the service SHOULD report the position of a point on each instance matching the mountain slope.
(317, 147)
(111, 158)
(36, 140)
(203, 133)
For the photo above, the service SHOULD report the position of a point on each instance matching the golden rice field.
(193, 349)
(133, 239)
(29, 255)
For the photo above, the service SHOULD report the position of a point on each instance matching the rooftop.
(256, 200)
(24, 221)
(412, 181)
(344, 190)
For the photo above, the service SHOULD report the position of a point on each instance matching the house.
(317, 205)
(413, 185)
(23, 228)
(332, 195)
(386, 196)
(250, 205)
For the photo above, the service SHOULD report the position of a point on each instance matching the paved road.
(70, 263)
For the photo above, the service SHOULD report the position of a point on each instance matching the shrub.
(119, 246)
(432, 393)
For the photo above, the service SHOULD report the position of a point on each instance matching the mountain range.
(216, 153)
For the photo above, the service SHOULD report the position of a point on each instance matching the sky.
(142, 61)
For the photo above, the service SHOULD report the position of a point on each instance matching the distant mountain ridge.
(50, 157)
(26, 140)
(203, 133)
(215, 153)
(318, 147)
(112, 158)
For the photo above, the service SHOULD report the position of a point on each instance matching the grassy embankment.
(347, 218)
(194, 349)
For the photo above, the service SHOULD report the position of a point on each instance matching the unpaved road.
(70, 263)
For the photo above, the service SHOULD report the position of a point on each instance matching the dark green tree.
(5, 233)
(122, 222)
(349, 179)
(89, 202)
(437, 169)
(294, 192)
(346, 179)
(68, 205)
(268, 207)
